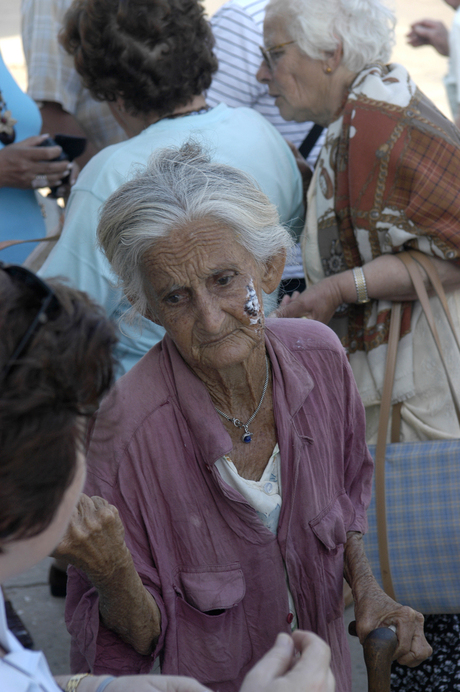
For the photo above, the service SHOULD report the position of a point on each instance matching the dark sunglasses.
(49, 306)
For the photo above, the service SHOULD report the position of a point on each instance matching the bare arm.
(386, 279)
(94, 542)
(137, 683)
(373, 608)
(58, 121)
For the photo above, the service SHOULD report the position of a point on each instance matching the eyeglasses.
(49, 306)
(267, 54)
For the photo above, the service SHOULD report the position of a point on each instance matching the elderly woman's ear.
(333, 60)
(148, 312)
(272, 271)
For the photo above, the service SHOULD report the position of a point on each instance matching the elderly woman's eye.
(276, 55)
(173, 298)
(225, 280)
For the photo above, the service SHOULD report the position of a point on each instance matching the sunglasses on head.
(49, 306)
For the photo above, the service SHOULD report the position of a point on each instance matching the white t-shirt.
(238, 30)
(452, 79)
(22, 670)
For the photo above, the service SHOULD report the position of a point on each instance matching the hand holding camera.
(39, 161)
(71, 148)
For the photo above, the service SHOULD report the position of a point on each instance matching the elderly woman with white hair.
(386, 180)
(237, 460)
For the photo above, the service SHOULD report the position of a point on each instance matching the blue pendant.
(247, 437)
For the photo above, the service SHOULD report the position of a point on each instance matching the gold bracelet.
(73, 682)
(361, 287)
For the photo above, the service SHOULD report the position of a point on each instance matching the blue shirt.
(20, 214)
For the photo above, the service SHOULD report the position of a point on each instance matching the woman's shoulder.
(143, 386)
(304, 335)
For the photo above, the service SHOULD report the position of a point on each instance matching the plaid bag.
(422, 488)
(413, 542)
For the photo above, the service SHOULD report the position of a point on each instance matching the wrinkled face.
(298, 83)
(205, 290)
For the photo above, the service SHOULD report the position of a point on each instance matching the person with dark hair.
(55, 364)
(152, 61)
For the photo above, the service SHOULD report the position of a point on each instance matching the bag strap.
(428, 266)
(410, 260)
(310, 140)
(8, 243)
(380, 449)
(417, 280)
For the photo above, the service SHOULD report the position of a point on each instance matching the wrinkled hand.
(283, 670)
(375, 609)
(21, 162)
(94, 540)
(318, 302)
(429, 32)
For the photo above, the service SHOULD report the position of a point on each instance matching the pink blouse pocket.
(330, 527)
(212, 634)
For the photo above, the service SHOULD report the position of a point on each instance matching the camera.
(72, 147)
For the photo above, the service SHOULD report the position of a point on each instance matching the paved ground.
(43, 614)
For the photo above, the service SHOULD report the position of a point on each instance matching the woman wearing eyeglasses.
(55, 364)
(387, 180)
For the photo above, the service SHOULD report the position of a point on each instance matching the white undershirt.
(263, 495)
(22, 670)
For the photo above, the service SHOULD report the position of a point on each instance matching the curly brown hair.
(155, 54)
(65, 370)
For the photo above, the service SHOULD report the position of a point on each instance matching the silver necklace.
(247, 435)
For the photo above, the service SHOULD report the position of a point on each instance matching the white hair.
(365, 28)
(178, 186)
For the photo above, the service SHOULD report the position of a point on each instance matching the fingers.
(275, 663)
(285, 300)
(313, 666)
(412, 646)
(420, 650)
(292, 309)
(46, 153)
(48, 174)
(32, 141)
(74, 172)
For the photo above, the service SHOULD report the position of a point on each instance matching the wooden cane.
(379, 647)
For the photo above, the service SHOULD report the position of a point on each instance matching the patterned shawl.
(388, 178)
